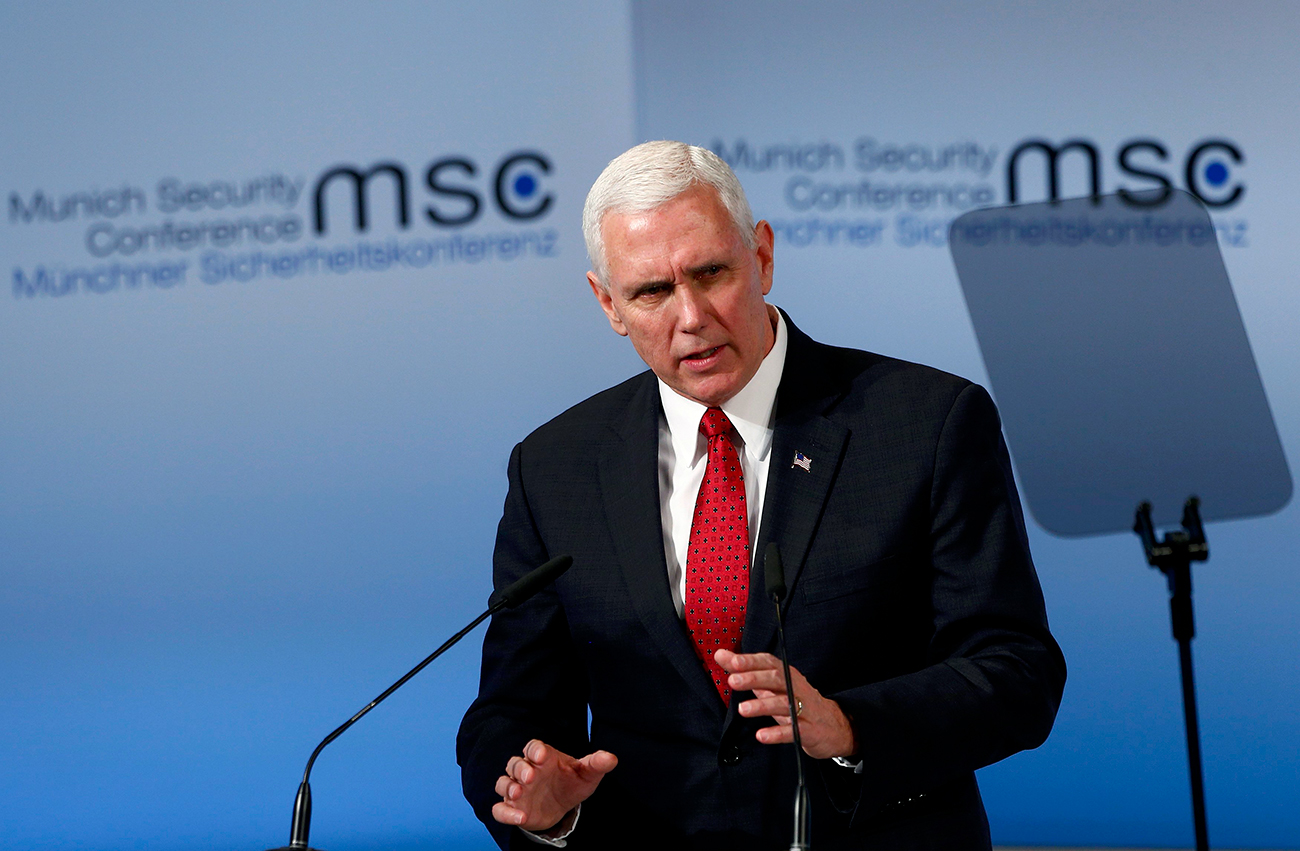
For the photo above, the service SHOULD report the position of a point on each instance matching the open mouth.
(702, 356)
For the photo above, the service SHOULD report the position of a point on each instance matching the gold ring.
(798, 707)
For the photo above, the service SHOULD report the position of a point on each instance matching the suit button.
(730, 755)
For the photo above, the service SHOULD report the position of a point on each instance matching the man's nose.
(693, 309)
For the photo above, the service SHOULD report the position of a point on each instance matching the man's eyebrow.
(642, 289)
(696, 271)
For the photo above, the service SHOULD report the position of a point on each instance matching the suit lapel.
(629, 482)
(795, 495)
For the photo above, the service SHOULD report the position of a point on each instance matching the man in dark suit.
(914, 620)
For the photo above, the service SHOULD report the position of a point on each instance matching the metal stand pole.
(1174, 556)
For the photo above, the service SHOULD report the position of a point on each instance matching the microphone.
(774, 581)
(507, 598)
(528, 584)
(774, 574)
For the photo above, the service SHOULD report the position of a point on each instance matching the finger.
(766, 678)
(537, 751)
(507, 814)
(801, 684)
(520, 769)
(736, 662)
(773, 681)
(778, 707)
(765, 706)
(503, 787)
(598, 763)
(778, 734)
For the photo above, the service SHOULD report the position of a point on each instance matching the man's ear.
(606, 304)
(766, 239)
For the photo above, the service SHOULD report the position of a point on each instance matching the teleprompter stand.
(1174, 556)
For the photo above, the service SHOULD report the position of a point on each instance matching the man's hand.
(823, 727)
(542, 786)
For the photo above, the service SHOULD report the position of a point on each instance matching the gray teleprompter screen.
(1119, 361)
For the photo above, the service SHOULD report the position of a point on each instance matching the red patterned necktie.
(717, 558)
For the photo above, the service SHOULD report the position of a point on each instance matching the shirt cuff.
(847, 763)
(560, 841)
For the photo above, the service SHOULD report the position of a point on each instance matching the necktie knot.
(714, 423)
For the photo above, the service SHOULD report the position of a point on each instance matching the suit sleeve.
(993, 676)
(531, 684)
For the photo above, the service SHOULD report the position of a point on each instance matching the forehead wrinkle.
(662, 246)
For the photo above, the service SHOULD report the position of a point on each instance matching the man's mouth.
(702, 355)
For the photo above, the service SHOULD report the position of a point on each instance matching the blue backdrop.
(252, 452)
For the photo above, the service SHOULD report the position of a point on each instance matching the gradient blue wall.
(235, 505)
(894, 86)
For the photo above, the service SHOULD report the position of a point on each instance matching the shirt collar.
(750, 411)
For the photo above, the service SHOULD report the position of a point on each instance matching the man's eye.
(710, 271)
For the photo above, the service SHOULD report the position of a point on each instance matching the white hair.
(649, 176)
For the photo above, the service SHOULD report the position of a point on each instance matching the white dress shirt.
(684, 451)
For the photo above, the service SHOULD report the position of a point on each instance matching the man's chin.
(708, 393)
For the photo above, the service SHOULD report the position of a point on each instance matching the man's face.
(689, 294)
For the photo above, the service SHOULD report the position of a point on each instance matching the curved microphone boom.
(526, 586)
(774, 581)
(507, 598)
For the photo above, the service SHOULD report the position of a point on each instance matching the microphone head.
(773, 573)
(529, 584)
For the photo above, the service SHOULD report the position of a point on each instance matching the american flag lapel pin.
(802, 461)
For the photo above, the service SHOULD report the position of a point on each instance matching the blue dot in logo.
(526, 184)
(1216, 173)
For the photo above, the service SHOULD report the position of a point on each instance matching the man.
(914, 620)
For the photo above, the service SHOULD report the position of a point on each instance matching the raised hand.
(823, 727)
(541, 787)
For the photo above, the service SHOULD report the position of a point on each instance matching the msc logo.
(515, 188)
(1207, 170)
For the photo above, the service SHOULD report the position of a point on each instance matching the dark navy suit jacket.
(913, 602)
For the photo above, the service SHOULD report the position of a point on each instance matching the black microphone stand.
(508, 597)
(775, 582)
(1174, 556)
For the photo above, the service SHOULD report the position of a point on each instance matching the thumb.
(597, 764)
